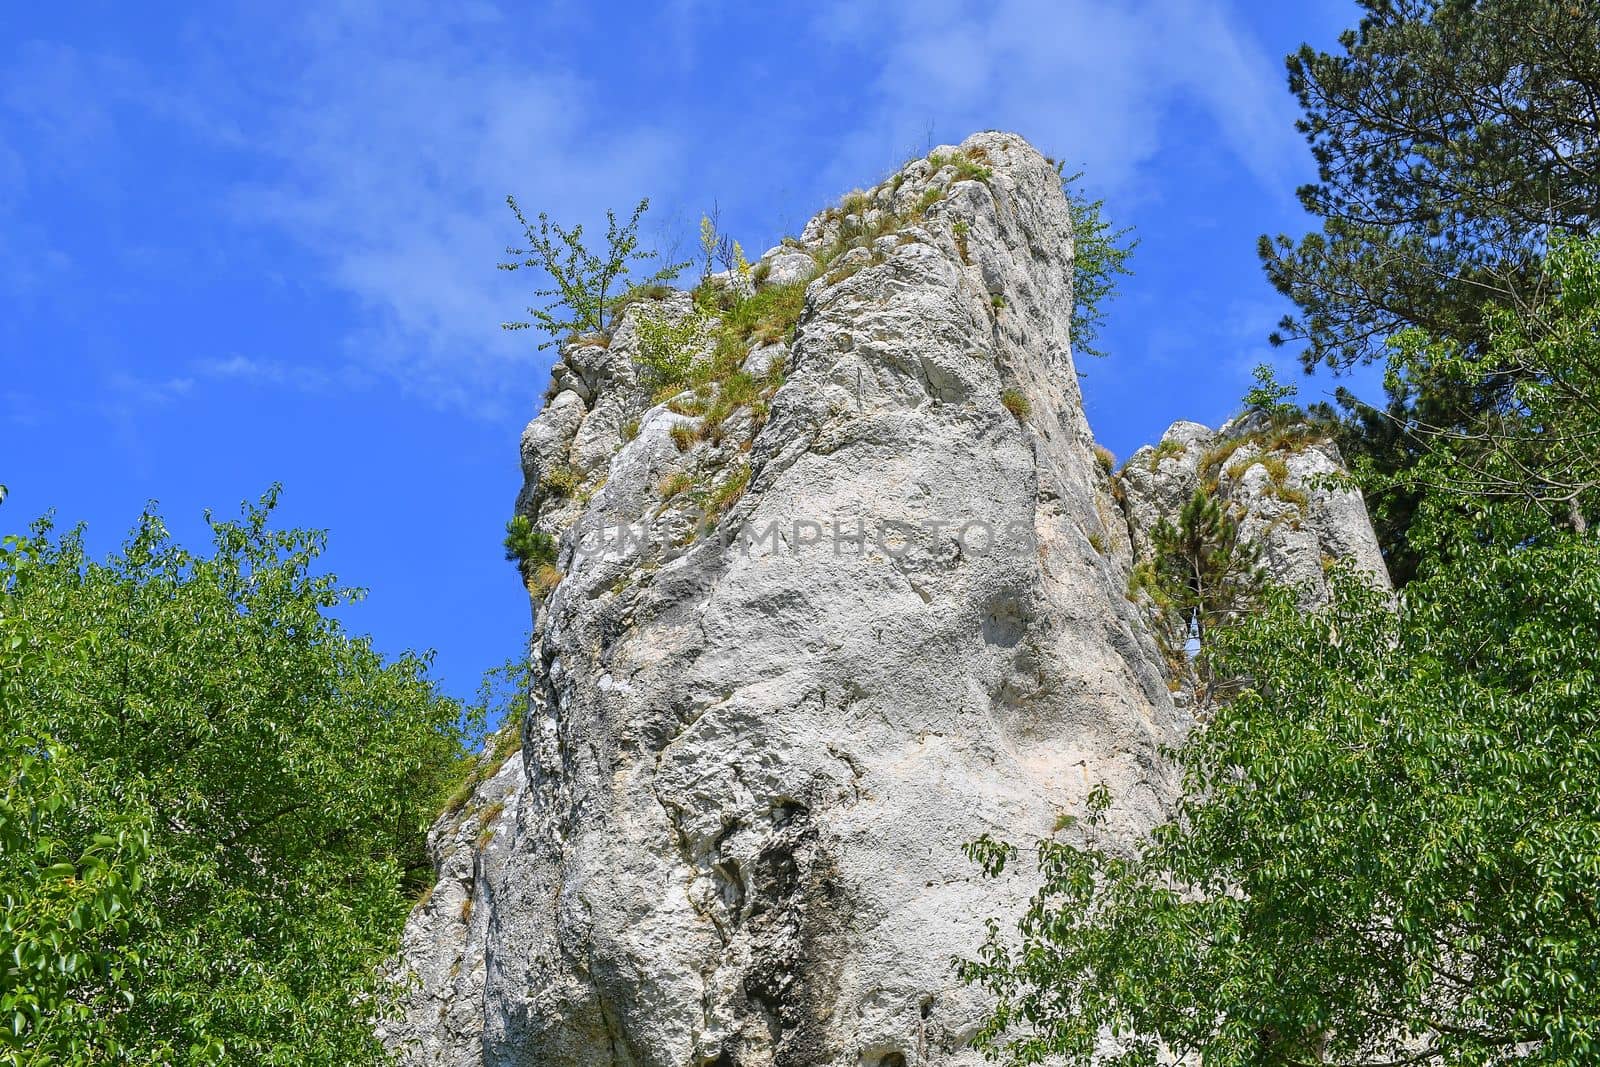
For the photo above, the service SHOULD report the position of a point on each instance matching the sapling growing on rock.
(1202, 575)
(1100, 254)
(526, 547)
(1270, 397)
(586, 282)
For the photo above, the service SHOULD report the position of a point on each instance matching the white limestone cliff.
(1282, 483)
(441, 958)
(761, 738)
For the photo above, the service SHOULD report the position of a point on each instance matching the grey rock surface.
(1282, 485)
(786, 265)
(798, 657)
(442, 948)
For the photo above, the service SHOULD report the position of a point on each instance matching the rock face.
(1280, 481)
(818, 624)
(442, 948)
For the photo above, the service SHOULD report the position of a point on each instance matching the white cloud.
(20, 410)
(281, 374)
(1103, 83)
(242, 368)
(126, 398)
(382, 138)
(400, 136)
(393, 151)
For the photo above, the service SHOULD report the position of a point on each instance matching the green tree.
(1383, 449)
(1510, 413)
(1100, 255)
(1387, 850)
(1454, 139)
(587, 284)
(1534, 446)
(1268, 396)
(534, 553)
(67, 881)
(667, 346)
(1200, 577)
(527, 547)
(240, 789)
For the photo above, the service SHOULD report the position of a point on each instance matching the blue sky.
(247, 243)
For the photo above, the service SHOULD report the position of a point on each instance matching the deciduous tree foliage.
(214, 802)
(67, 881)
(587, 284)
(1535, 447)
(1101, 251)
(1388, 846)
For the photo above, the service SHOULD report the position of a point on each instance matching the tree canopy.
(214, 806)
(1455, 140)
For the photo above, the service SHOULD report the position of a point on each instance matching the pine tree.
(1200, 577)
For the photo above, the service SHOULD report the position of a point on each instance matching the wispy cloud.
(61, 97)
(281, 374)
(1105, 83)
(381, 138)
(128, 392)
(403, 131)
(20, 410)
(392, 154)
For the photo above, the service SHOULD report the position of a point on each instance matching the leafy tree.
(1534, 446)
(1200, 577)
(1383, 449)
(1387, 850)
(586, 283)
(239, 788)
(1505, 410)
(1454, 139)
(1101, 251)
(1268, 396)
(67, 881)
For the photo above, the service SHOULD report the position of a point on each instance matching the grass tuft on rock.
(1015, 402)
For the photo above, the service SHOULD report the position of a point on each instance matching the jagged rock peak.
(1284, 481)
(841, 584)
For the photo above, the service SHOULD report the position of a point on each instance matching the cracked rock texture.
(759, 739)
(1281, 482)
(442, 948)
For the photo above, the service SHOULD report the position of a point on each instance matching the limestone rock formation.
(442, 949)
(1282, 483)
(854, 595)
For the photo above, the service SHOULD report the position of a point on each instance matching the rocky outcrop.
(851, 597)
(442, 948)
(1282, 482)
